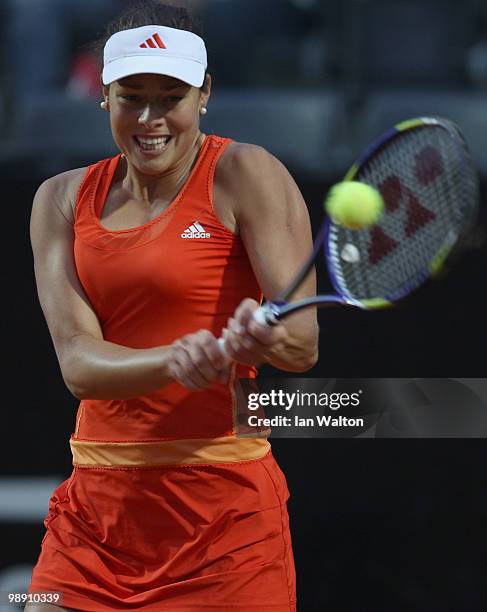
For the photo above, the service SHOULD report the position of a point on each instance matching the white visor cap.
(155, 49)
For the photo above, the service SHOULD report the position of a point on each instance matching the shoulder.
(256, 180)
(253, 175)
(58, 193)
(242, 160)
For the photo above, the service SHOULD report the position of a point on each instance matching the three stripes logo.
(196, 230)
(153, 42)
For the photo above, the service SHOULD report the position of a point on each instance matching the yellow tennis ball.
(354, 205)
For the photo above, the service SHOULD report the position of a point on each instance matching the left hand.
(248, 342)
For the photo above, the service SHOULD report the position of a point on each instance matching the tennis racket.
(423, 170)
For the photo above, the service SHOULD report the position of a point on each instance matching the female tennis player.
(142, 261)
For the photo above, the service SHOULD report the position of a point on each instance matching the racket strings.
(427, 183)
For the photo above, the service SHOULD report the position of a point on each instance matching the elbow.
(76, 371)
(73, 379)
(79, 391)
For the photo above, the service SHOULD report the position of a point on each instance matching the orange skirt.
(180, 538)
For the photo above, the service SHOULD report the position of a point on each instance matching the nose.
(150, 116)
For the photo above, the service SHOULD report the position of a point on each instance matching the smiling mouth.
(152, 144)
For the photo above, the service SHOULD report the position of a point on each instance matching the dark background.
(378, 525)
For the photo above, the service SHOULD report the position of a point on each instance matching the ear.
(105, 92)
(205, 90)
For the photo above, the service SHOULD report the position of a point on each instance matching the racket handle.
(265, 316)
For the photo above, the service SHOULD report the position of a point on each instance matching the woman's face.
(154, 120)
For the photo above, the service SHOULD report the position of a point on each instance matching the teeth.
(152, 143)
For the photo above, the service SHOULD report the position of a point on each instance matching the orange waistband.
(227, 449)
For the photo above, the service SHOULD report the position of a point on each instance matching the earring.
(104, 105)
(203, 110)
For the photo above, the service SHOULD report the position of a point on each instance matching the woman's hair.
(148, 12)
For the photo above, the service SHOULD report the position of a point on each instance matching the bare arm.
(275, 228)
(91, 367)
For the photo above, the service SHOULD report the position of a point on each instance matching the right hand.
(197, 360)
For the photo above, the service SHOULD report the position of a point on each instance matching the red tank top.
(152, 284)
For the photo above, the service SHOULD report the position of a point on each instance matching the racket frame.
(272, 311)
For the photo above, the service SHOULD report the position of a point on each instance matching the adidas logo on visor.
(155, 49)
(153, 42)
(195, 231)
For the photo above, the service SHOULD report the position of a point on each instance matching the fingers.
(250, 342)
(245, 311)
(244, 317)
(255, 344)
(239, 347)
(196, 361)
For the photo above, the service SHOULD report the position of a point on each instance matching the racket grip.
(263, 316)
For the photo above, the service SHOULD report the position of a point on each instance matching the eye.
(129, 97)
